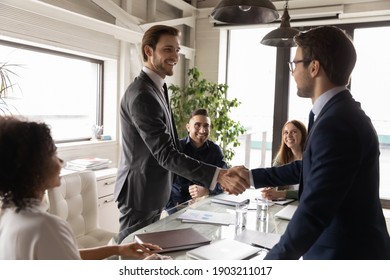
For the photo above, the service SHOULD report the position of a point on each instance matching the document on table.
(207, 217)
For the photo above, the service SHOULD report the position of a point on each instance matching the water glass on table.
(241, 215)
(262, 208)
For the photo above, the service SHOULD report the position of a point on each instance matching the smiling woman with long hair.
(294, 136)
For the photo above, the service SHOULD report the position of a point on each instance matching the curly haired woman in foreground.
(29, 166)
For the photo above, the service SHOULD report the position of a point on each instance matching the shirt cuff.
(214, 181)
(251, 179)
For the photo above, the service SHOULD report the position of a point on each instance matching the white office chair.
(75, 200)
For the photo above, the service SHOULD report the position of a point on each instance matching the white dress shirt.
(34, 234)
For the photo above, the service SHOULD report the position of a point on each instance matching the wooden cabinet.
(107, 207)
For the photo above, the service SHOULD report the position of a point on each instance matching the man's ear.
(314, 67)
(148, 50)
(188, 127)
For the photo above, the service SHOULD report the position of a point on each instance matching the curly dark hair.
(25, 152)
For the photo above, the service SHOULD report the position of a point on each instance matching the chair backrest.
(75, 200)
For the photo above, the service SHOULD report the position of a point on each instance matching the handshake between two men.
(234, 180)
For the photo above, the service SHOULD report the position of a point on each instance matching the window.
(251, 79)
(60, 89)
(370, 86)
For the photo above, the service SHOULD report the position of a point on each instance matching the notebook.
(260, 239)
(225, 249)
(229, 199)
(287, 212)
(173, 240)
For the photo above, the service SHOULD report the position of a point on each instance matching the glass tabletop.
(170, 221)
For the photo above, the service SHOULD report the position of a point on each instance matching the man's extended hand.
(234, 180)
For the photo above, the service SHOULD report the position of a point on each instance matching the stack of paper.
(207, 217)
(88, 164)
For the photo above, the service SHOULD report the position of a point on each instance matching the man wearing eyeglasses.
(339, 214)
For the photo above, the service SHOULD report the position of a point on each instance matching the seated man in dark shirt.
(196, 145)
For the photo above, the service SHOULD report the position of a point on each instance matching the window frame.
(100, 78)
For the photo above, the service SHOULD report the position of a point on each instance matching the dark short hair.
(25, 152)
(153, 34)
(333, 48)
(199, 112)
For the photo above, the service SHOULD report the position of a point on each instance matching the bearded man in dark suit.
(150, 153)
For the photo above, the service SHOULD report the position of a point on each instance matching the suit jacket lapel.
(166, 107)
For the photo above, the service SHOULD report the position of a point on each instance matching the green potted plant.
(200, 93)
(6, 86)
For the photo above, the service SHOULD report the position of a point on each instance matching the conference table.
(217, 231)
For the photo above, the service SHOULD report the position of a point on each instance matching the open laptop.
(259, 239)
(224, 249)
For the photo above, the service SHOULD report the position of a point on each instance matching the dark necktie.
(311, 120)
(166, 95)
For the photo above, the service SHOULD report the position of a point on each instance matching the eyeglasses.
(293, 64)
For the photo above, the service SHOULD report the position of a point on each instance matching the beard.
(305, 89)
(162, 68)
(303, 93)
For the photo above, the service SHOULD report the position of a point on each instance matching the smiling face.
(164, 57)
(292, 136)
(199, 129)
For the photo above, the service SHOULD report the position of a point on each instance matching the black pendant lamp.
(245, 11)
(282, 36)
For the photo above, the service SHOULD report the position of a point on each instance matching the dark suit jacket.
(339, 214)
(149, 157)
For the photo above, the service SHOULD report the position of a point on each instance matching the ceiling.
(341, 10)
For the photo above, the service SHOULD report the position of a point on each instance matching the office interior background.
(76, 58)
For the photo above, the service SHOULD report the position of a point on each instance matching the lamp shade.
(245, 11)
(282, 36)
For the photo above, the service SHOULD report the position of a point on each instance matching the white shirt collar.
(324, 98)
(157, 80)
